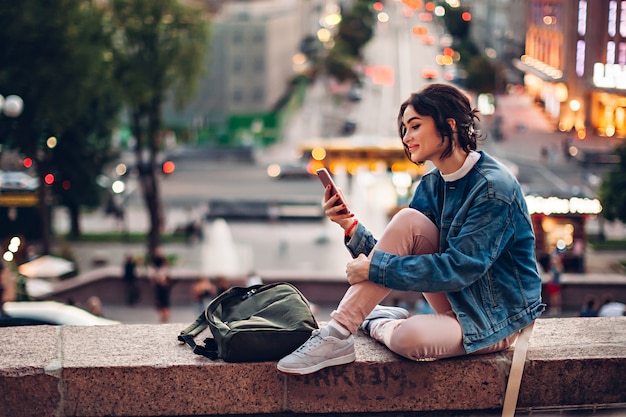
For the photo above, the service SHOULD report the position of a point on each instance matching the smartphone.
(326, 179)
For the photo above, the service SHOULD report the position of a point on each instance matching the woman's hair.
(443, 102)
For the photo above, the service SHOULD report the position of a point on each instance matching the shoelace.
(313, 341)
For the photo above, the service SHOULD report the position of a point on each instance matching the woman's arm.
(469, 251)
(357, 238)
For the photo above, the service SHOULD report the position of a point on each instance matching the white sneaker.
(383, 312)
(320, 351)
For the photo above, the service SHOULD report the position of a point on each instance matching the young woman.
(465, 241)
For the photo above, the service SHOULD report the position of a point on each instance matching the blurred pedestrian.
(567, 144)
(3, 274)
(611, 308)
(222, 283)
(202, 292)
(253, 279)
(21, 289)
(94, 305)
(589, 307)
(553, 287)
(130, 279)
(162, 282)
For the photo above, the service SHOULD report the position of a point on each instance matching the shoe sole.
(382, 315)
(342, 360)
(382, 309)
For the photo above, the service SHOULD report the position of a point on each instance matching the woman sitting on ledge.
(466, 241)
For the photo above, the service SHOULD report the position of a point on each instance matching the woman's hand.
(357, 270)
(332, 211)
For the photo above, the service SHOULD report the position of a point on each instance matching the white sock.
(337, 330)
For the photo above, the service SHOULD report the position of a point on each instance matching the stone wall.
(142, 370)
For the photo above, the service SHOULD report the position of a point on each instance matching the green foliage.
(356, 27)
(480, 74)
(340, 63)
(51, 56)
(355, 31)
(455, 25)
(604, 244)
(121, 237)
(612, 191)
(56, 56)
(159, 48)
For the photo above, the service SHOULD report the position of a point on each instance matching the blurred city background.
(195, 128)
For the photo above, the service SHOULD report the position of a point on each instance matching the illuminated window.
(612, 17)
(610, 52)
(582, 17)
(622, 19)
(621, 57)
(580, 58)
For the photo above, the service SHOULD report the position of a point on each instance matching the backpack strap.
(209, 350)
(194, 328)
(517, 368)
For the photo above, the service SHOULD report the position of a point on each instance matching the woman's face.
(422, 137)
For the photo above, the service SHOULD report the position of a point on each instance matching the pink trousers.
(421, 336)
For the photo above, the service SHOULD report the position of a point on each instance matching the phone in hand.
(326, 179)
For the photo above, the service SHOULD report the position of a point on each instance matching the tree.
(340, 63)
(82, 156)
(612, 191)
(54, 56)
(357, 27)
(481, 74)
(355, 30)
(159, 48)
(455, 25)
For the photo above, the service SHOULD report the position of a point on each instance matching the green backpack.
(253, 324)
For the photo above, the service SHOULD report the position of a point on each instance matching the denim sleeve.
(474, 241)
(362, 241)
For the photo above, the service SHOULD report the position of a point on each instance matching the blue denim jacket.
(486, 261)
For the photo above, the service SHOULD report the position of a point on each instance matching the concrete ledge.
(141, 370)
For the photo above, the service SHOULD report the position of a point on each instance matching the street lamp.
(11, 106)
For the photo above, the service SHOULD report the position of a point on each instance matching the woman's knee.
(427, 336)
(415, 219)
(408, 340)
(421, 234)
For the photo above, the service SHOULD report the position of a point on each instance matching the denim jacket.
(486, 261)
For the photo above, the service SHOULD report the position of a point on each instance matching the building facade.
(499, 28)
(574, 64)
(250, 63)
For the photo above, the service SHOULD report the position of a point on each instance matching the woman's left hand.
(357, 270)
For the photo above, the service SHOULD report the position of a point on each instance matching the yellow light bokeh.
(51, 142)
(318, 153)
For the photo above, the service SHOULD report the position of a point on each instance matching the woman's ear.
(452, 124)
